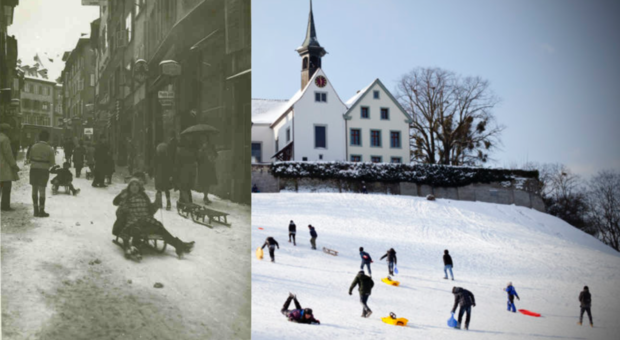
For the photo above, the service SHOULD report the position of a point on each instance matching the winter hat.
(445, 251)
(455, 289)
(137, 181)
(586, 288)
(308, 311)
(361, 248)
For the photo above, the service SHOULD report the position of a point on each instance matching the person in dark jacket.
(364, 190)
(272, 244)
(365, 287)
(366, 260)
(207, 176)
(255, 188)
(512, 292)
(101, 158)
(163, 172)
(79, 155)
(447, 264)
(68, 146)
(313, 236)
(299, 314)
(466, 300)
(64, 177)
(292, 229)
(41, 158)
(185, 160)
(586, 303)
(391, 258)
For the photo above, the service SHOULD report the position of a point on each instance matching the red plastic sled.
(527, 312)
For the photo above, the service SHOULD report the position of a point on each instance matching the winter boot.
(36, 211)
(42, 212)
(579, 323)
(592, 325)
(76, 191)
(364, 314)
(368, 312)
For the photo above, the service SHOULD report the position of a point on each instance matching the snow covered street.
(63, 278)
(548, 261)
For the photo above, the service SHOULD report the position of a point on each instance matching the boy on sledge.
(511, 297)
(64, 177)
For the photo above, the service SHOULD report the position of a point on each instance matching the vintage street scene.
(125, 140)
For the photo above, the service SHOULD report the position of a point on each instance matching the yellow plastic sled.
(393, 320)
(259, 253)
(390, 282)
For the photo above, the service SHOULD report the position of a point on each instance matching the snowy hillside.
(547, 260)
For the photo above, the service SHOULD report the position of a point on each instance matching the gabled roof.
(361, 94)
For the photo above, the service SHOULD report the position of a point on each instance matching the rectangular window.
(365, 112)
(320, 137)
(396, 160)
(40, 88)
(257, 152)
(27, 88)
(375, 138)
(356, 137)
(356, 158)
(320, 97)
(395, 139)
(44, 106)
(385, 113)
(375, 159)
(375, 94)
(288, 135)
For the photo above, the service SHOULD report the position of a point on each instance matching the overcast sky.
(49, 28)
(554, 63)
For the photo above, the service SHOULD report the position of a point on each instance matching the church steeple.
(310, 52)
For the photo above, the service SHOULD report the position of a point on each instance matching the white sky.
(50, 28)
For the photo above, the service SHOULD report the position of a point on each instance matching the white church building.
(316, 125)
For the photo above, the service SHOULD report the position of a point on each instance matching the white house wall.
(309, 113)
(396, 122)
(262, 133)
(279, 131)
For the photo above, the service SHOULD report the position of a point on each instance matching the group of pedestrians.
(272, 244)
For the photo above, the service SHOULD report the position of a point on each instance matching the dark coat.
(462, 297)
(297, 316)
(391, 256)
(292, 227)
(447, 260)
(206, 167)
(270, 241)
(585, 298)
(365, 257)
(78, 156)
(162, 169)
(313, 232)
(364, 281)
(64, 176)
(185, 168)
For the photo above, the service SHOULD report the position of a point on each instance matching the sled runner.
(202, 215)
(330, 251)
(55, 189)
(259, 253)
(153, 241)
(389, 281)
(393, 320)
(527, 312)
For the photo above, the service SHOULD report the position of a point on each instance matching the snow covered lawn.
(63, 278)
(547, 260)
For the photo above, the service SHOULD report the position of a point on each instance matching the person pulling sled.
(272, 244)
(512, 292)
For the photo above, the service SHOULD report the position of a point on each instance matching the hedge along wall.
(421, 174)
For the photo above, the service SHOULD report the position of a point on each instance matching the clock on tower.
(320, 81)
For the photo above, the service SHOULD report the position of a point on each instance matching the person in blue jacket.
(511, 297)
(313, 236)
(366, 260)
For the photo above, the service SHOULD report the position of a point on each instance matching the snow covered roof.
(266, 111)
(358, 95)
(361, 94)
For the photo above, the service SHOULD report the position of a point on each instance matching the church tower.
(310, 52)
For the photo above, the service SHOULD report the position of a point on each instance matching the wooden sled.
(154, 242)
(56, 189)
(330, 251)
(202, 215)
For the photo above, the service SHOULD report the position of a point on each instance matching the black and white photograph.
(125, 147)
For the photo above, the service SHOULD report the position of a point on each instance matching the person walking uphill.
(466, 300)
(41, 158)
(272, 243)
(586, 303)
(366, 260)
(365, 282)
(298, 315)
(511, 297)
(391, 258)
(447, 264)
(292, 229)
(8, 167)
(313, 236)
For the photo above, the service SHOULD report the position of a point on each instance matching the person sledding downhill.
(136, 213)
(366, 283)
(586, 303)
(272, 244)
(366, 260)
(466, 300)
(299, 314)
(64, 178)
(511, 297)
(391, 258)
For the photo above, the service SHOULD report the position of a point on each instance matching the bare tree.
(604, 204)
(452, 116)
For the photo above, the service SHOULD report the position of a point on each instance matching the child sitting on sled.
(64, 178)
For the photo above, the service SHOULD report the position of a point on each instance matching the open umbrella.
(200, 128)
